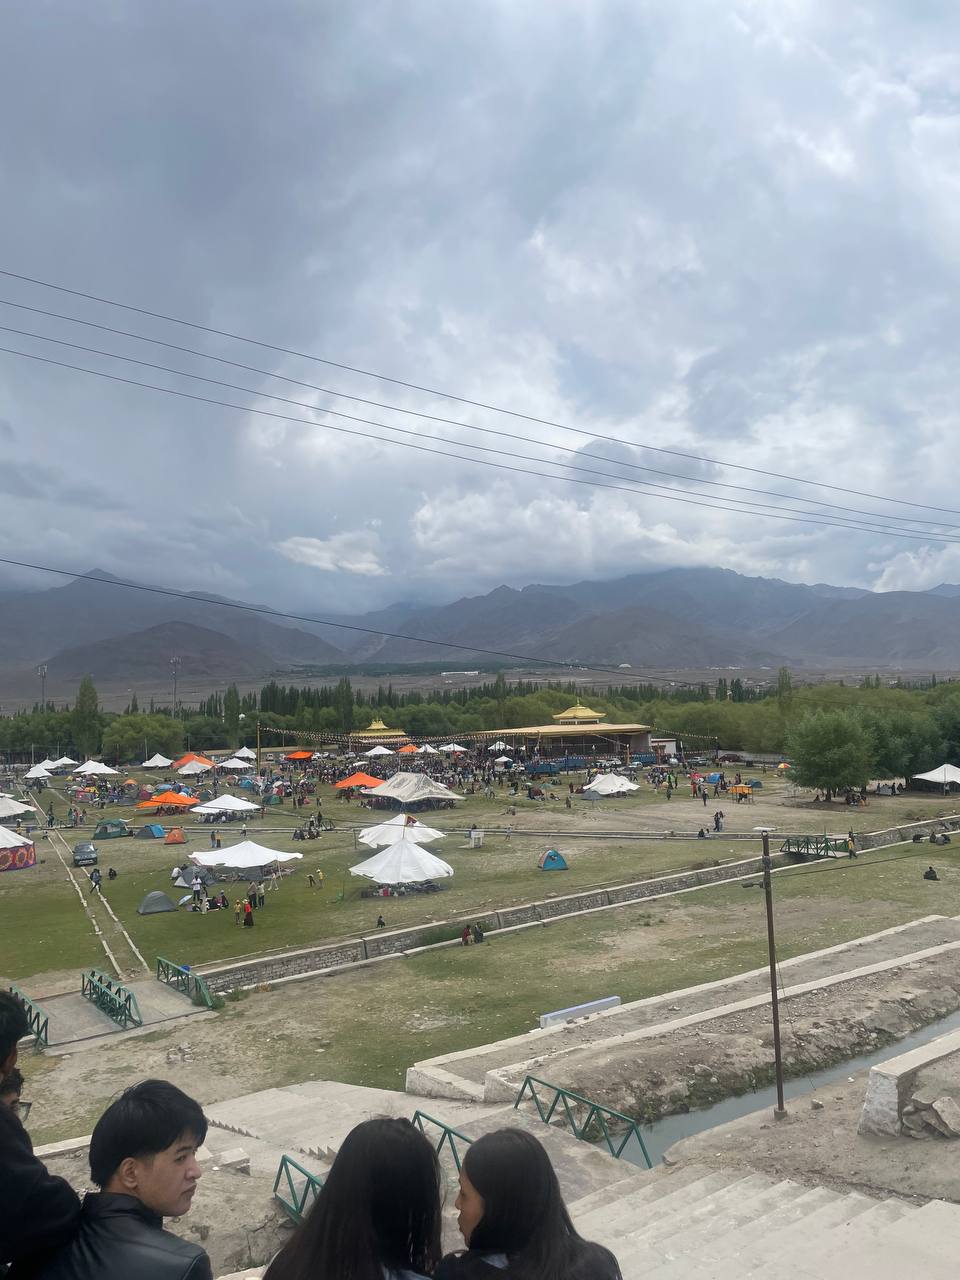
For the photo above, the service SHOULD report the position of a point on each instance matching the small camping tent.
(111, 829)
(175, 836)
(552, 860)
(152, 831)
(155, 902)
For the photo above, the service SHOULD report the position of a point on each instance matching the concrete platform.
(77, 1023)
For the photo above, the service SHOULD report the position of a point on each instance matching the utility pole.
(42, 673)
(781, 1110)
(175, 663)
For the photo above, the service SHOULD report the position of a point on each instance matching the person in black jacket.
(513, 1219)
(38, 1210)
(143, 1157)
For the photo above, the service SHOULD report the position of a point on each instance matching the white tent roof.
(409, 787)
(944, 773)
(10, 808)
(96, 766)
(245, 854)
(38, 771)
(157, 762)
(611, 784)
(236, 762)
(427, 750)
(401, 827)
(63, 761)
(10, 839)
(403, 862)
(193, 767)
(246, 754)
(48, 763)
(499, 745)
(452, 746)
(503, 760)
(226, 804)
(379, 751)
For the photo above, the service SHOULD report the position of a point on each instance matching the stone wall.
(892, 835)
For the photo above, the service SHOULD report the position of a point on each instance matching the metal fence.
(448, 1137)
(112, 998)
(182, 979)
(589, 1121)
(37, 1017)
(296, 1188)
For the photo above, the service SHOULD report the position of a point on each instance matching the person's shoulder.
(464, 1265)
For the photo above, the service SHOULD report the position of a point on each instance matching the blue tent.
(713, 777)
(153, 831)
(552, 861)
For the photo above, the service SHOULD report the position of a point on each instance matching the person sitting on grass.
(143, 1157)
(930, 874)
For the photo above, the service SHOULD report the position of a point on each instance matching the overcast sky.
(730, 229)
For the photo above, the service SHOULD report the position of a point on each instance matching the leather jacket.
(38, 1211)
(119, 1238)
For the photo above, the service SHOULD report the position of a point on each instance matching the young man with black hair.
(39, 1211)
(143, 1157)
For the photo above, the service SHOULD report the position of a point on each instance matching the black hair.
(524, 1215)
(378, 1208)
(12, 1082)
(144, 1120)
(14, 1023)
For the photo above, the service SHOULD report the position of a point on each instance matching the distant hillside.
(145, 656)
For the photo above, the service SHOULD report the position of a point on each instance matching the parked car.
(85, 854)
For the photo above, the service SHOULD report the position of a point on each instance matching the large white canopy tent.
(47, 764)
(242, 856)
(11, 808)
(246, 754)
(379, 751)
(403, 862)
(157, 762)
(92, 767)
(408, 788)
(499, 745)
(193, 767)
(452, 748)
(427, 750)
(226, 804)
(944, 774)
(402, 827)
(63, 762)
(611, 784)
(11, 839)
(38, 771)
(236, 762)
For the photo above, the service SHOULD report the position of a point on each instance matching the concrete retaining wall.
(893, 835)
(890, 1084)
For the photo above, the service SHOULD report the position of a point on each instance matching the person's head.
(510, 1202)
(379, 1208)
(11, 1087)
(145, 1145)
(14, 1025)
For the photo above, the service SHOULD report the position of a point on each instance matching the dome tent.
(155, 902)
(552, 861)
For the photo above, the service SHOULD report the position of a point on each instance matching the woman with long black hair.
(513, 1219)
(377, 1216)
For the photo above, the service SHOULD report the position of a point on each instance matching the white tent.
(410, 787)
(427, 750)
(193, 767)
(10, 839)
(452, 747)
(157, 762)
(499, 745)
(10, 808)
(47, 764)
(96, 767)
(943, 774)
(226, 804)
(379, 751)
(403, 862)
(244, 855)
(503, 760)
(610, 784)
(401, 827)
(38, 771)
(246, 754)
(63, 762)
(236, 762)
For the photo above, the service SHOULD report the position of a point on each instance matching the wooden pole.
(781, 1110)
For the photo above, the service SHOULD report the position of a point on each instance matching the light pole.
(175, 663)
(42, 673)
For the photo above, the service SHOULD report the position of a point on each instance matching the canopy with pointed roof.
(193, 767)
(403, 827)
(173, 799)
(359, 780)
(408, 750)
(236, 762)
(244, 855)
(403, 862)
(10, 808)
(299, 755)
(411, 788)
(246, 754)
(427, 750)
(63, 762)
(38, 771)
(610, 784)
(379, 751)
(157, 762)
(944, 774)
(226, 804)
(189, 757)
(91, 767)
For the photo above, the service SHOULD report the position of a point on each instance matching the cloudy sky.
(730, 230)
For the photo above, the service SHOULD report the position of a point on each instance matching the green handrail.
(448, 1136)
(296, 1188)
(38, 1018)
(112, 998)
(597, 1115)
(184, 980)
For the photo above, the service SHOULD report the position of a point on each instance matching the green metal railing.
(813, 846)
(112, 998)
(184, 980)
(296, 1188)
(37, 1017)
(599, 1123)
(448, 1137)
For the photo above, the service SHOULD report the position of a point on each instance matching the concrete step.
(804, 1204)
(765, 1206)
(736, 1197)
(651, 1185)
(763, 1249)
(629, 1212)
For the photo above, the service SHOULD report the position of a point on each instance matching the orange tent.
(360, 780)
(172, 798)
(299, 755)
(189, 758)
(175, 836)
(409, 749)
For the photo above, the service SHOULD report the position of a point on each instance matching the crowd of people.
(376, 1217)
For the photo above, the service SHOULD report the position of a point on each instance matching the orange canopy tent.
(359, 780)
(172, 798)
(741, 789)
(299, 755)
(409, 749)
(190, 757)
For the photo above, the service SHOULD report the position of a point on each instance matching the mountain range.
(678, 619)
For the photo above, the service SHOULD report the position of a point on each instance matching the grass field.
(45, 929)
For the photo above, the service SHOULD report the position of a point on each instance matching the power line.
(445, 395)
(409, 412)
(855, 527)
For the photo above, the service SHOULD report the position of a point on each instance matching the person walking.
(238, 910)
(218, 843)
(261, 889)
(252, 893)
